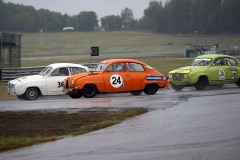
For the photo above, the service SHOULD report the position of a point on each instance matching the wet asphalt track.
(186, 125)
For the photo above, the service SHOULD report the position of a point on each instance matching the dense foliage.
(176, 16)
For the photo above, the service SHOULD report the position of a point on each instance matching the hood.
(26, 78)
(187, 69)
(84, 74)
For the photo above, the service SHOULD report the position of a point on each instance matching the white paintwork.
(48, 84)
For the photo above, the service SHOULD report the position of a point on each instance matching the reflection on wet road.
(163, 99)
(186, 125)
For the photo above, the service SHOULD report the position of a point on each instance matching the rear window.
(135, 67)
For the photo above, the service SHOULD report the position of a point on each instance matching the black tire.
(32, 93)
(201, 84)
(177, 88)
(151, 89)
(136, 93)
(238, 82)
(89, 91)
(75, 96)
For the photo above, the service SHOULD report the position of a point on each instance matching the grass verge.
(25, 128)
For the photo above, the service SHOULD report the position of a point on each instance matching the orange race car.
(116, 75)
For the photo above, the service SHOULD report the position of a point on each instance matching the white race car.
(48, 82)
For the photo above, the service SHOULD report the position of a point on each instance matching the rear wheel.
(176, 87)
(89, 91)
(201, 84)
(150, 89)
(136, 93)
(32, 93)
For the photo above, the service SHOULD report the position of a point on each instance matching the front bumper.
(11, 89)
(70, 91)
(182, 82)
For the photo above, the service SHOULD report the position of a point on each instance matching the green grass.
(91, 123)
(4, 93)
(115, 118)
(65, 43)
(74, 47)
(7, 143)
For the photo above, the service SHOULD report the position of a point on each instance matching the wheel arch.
(86, 84)
(38, 88)
(203, 77)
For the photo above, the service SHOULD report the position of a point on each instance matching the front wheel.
(150, 89)
(176, 87)
(32, 93)
(201, 84)
(89, 91)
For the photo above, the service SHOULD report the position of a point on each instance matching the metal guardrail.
(7, 74)
(231, 52)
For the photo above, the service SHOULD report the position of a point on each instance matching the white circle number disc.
(116, 81)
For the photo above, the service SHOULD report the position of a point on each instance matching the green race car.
(215, 69)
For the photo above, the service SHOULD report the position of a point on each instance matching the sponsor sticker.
(221, 74)
(233, 69)
(233, 74)
(154, 77)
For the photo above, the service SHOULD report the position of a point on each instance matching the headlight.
(72, 82)
(170, 75)
(185, 76)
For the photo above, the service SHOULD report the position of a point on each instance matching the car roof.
(213, 56)
(58, 65)
(111, 61)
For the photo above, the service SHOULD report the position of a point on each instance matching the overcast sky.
(101, 7)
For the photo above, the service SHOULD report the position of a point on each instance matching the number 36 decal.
(116, 81)
(60, 84)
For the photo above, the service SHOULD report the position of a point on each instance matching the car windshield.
(201, 62)
(46, 71)
(100, 67)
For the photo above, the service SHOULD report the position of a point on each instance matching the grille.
(177, 76)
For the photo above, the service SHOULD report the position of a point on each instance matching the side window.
(231, 62)
(60, 72)
(76, 70)
(135, 67)
(117, 67)
(219, 62)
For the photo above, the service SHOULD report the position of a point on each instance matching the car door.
(220, 72)
(232, 69)
(138, 75)
(54, 81)
(117, 78)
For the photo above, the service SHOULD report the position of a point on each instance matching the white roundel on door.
(116, 81)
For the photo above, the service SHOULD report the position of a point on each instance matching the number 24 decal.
(116, 81)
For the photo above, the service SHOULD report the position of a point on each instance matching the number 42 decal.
(116, 81)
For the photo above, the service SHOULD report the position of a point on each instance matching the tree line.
(174, 17)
